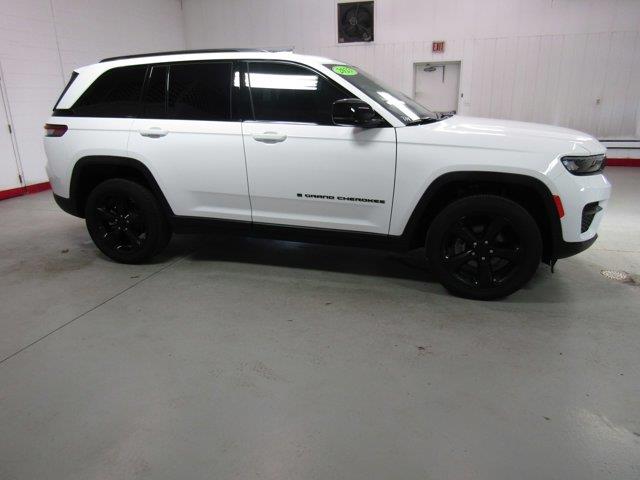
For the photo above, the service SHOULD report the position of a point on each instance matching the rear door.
(304, 170)
(186, 136)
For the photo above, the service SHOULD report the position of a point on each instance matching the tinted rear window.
(116, 93)
(199, 91)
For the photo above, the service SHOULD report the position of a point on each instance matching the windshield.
(404, 108)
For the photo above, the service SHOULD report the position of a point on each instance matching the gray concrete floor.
(254, 359)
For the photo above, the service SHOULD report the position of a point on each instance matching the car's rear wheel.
(483, 247)
(125, 221)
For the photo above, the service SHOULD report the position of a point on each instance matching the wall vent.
(355, 22)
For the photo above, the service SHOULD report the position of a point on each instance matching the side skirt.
(182, 224)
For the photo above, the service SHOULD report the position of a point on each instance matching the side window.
(115, 93)
(199, 91)
(291, 93)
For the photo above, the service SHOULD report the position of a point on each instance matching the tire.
(483, 247)
(125, 221)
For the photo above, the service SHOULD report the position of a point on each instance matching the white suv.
(310, 149)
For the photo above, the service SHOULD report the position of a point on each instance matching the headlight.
(584, 165)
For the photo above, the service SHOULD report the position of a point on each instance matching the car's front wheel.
(483, 247)
(125, 221)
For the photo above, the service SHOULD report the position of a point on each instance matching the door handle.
(269, 137)
(153, 132)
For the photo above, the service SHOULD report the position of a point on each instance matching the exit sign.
(437, 47)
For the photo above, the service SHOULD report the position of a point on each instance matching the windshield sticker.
(343, 70)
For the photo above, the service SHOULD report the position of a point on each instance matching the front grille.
(588, 212)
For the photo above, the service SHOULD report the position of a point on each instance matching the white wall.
(535, 60)
(42, 41)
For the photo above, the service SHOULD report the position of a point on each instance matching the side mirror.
(355, 112)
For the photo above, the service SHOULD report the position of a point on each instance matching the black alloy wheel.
(484, 246)
(125, 221)
(122, 225)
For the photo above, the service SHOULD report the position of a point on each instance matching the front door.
(305, 171)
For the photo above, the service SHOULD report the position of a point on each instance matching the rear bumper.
(67, 205)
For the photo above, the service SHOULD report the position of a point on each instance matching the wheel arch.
(91, 170)
(531, 193)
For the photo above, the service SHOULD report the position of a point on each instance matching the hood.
(507, 135)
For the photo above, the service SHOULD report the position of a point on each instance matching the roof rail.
(182, 52)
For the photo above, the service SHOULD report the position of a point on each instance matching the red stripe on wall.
(16, 192)
(623, 162)
(38, 187)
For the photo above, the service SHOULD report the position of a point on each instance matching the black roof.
(180, 52)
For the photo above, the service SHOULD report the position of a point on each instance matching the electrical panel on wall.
(355, 22)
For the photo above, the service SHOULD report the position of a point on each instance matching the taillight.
(53, 130)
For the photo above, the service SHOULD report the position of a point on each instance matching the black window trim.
(240, 65)
(242, 94)
(145, 85)
(74, 75)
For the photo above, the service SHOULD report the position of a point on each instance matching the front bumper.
(568, 249)
(576, 193)
(584, 200)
